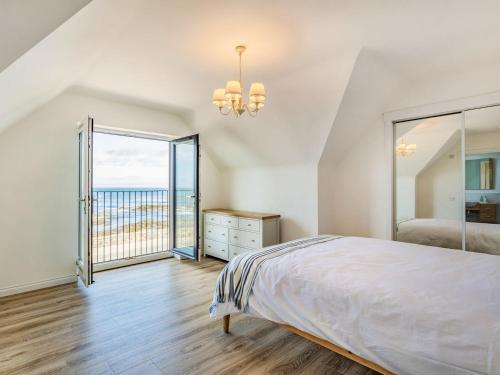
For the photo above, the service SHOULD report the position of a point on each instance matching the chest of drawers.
(230, 232)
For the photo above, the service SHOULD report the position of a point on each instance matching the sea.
(115, 207)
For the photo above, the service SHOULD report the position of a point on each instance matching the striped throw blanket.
(236, 280)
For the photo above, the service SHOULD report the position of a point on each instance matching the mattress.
(410, 308)
(480, 237)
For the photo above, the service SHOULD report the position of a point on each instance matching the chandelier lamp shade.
(405, 149)
(230, 99)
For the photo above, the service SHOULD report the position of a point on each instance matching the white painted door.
(84, 261)
(184, 187)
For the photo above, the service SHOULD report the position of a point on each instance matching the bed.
(480, 237)
(394, 307)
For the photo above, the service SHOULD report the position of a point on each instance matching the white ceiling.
(177, 51)
(23, 23)
(174, 53)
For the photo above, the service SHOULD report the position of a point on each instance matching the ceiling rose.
(230, 99)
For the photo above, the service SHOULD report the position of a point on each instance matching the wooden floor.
(148, 319)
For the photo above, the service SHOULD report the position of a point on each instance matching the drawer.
(212, 218)
(216, 249)
(487, 212)
(244, 239)
(236, 237)
(229, 221)
(216, 233)
(249, 224)
(236, 250)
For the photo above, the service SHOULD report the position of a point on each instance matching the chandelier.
(405, 149)
(230, 99)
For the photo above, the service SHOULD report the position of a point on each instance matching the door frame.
(133, 133)
(169, 253)
(196, 226)
(84, 263)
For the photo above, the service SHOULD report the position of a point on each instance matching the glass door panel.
(184, 196)
(482, 180)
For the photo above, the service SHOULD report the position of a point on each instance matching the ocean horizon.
(117, 206)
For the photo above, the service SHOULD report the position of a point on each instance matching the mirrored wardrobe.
(447, 180)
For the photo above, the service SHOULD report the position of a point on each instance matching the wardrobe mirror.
(482, 180)
(428, 181)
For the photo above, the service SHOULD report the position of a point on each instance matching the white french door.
(129, 226)
(84, 261)
(184, 196)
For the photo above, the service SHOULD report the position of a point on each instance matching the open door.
(184, 196)
(84, 261)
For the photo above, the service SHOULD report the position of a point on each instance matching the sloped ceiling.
(23, 23)
(433, 137)
(174, 53)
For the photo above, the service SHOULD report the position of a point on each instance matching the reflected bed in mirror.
(481, 237)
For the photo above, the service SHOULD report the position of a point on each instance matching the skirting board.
(4, 292)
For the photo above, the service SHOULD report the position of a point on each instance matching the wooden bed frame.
(324, 343)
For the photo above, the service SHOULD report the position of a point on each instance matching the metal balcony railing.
(129, 223)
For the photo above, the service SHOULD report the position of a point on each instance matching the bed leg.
(225, 320)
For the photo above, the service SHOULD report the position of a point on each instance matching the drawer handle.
(209, 231)
(229, 221)
(223, 234)
(222, 250)
(235, 237)
(253, 240)
(209, 246)
(249, 225)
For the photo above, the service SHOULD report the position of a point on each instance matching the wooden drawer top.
(247, 214)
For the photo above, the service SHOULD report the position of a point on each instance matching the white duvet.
(480, 237)
(412, 309)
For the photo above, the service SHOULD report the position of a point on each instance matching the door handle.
(84, 200)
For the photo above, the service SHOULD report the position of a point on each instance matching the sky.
(129, 162)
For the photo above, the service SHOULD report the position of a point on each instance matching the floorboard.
(146, 319)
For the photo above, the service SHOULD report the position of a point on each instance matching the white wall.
(38, 186)
(351, 171)
(439, 188)
(290, 191)
(405, 197)
(481, 143)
